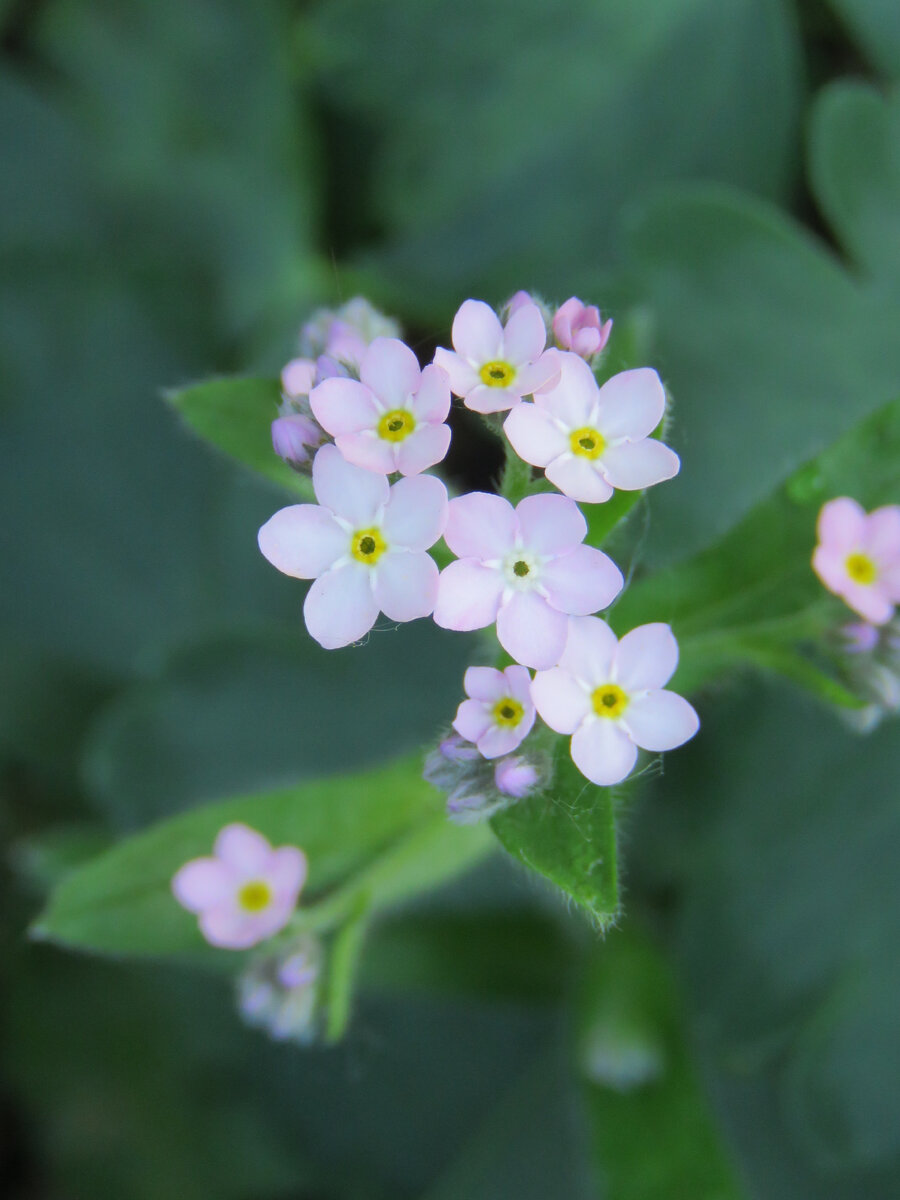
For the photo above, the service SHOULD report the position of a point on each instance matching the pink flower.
(294, 437)
(858, 557)
(493, 367)
(499, 714)
(524, 568)
(516, 777)
(364, 544)
(578, 328)
(609, 695)
(246, 892)
(591, 439)
(393, 419)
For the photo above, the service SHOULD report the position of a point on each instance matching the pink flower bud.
(293, 437)
(577, 327)
(515, 777)
(299, 377)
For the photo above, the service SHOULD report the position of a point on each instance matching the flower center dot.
(497, 374)
(255, 896)
(521, 568)
(587, 442)
(508, 712)
(861, 569)
(367, 546)
(396, 425)
(609, 700)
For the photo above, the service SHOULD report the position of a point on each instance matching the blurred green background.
(180, 183)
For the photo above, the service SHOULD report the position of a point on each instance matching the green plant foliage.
(875, 24)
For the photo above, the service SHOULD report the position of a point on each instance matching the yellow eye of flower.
(587, 442)
(497, 374)
(861, 569)
(609, 700)
(396, 425)
(255, 896)
(508, 712)
(367, 546)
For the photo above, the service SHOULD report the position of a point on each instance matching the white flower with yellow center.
(499, 713)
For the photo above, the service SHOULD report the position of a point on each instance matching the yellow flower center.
(861, 569)
(587, 442)
(497, 374)
(255, 896)
(508, 712)
(609, 700)
(367, 546)
(396, 425)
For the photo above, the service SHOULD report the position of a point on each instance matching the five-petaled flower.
(392, 419)
(364, 544)
(591, 439)
(609, 695)
(526, 569)
(492, 367)
(499, 713)
(245, 892)
(858, 556)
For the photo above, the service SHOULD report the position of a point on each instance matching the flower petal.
(560, 699)
(536, 376)
(882, 535)
(635, 465)
(391, 370)
(432, 401)
(534, 435)
(486, 684)
(579, 479)
(573, 398)
(603, 752)
(202, 883)
(369, 451)
(416, 512)
(343, 406)
(631, 404)
(660, 720)
(340, 607)
(350, 492)
(531, 631)
(472, 720)
(841, 524)
(483, 399)
(646, 658)
(302, 540)
(525, 335)
(870, 602)
(423, 448)
(298, 377)
(518, 684)
(582, 581)
(468, 595)
(477, 333)
(406, 585)
(462, 375)
(590, 650)
(287, 872)
(243, 849)
(550, 524)
(480, 525)
(499, 740)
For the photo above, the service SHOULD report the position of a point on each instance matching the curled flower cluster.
(367, 422)
(279, 993)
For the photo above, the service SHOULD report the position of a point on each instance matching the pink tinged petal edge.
(243, 850)
(391, 370)
(406, 585)
(582, 581)
(882, 534)
(525, 335)
(870, 602)
(368, 451)
(486, 684)
(287, 873)
(841, 524)
(550, 524)
(477, 333)
(468, 595)
(660, 720)
(343, 406)
(340, 607)
(534, 435)
(480, 525)
(532, 632)
(424, 448)
(646, 657)
(416, 513)
(350, 492)
(573, 398)
(579, 479)
(603, 752)
(472, 720)
(518, 684)
(537, 376)
(229, 928)
(483, 399)
(560, 699)
(202, 883)
(590, 650)
(499, 740)
(462, 375)
(432, 401)
(302, 540)
(633, 466)
(632, 404)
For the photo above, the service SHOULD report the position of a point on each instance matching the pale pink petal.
(202, 883)
(882, 534)
(416, 512)
(603, 752)
(472, 720)
(889, 581)
(339, 607)
(515, 777)
(660, 720)
(632, 404)
(870, 602)
(646, 658)
(532, 632)
(590, 650)
(841, 524)
(830, 565)
(573, 399)
(423, 448)
(518, 683)
(480, 525)
(515, 302)
(227, 927)
(287, 873)
(550, 524)
(462, 375)
(369, 451)
(350, 492)
(579, 479)
(537, 376)
(468, 596)
(343, 406)
(483, 399)
(243, 850)
(525, 336)
(534, 435)
(477, 333)
(635, 465)
(487, 684)
(298, 377)
(560, 699)
(565, 318)
(432, 401)
(499, 740)
(302, 540)
(391, 370)
(582, 581)
(406, 585)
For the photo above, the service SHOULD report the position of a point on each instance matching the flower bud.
(345, 333)
(516, 777)
(577, 327)
(279, 993)
(294, 437)
(299, 377)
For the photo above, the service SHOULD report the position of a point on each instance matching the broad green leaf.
(875, 24)
(568, 834)
(385, 826)
(236, 416)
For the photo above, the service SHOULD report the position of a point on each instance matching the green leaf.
(381, 831)
(875, 24)
(236, 416)
(568, 834)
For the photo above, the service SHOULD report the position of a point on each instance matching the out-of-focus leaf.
(876, 26)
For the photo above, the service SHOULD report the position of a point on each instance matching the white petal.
(525, 336)
(531, 631)
(462, 375)
(340, 607)
(477, 332)
(632, 404)
(423, 448)
(243, 849)
(561, 701)
(603, 752)
(550, 524)
(534, 435)
(343, 406)
(432, 401)
(468, 596)
(573, 398)
(486, 684)
(201, 883)
(302, 540)
(350, 492)
(580, 479)
(590, 649)
(480, 525)
(391, 370)
(472, 720)
(646, 657)
(483, 399)
(582, 581)
(406, 585)
(660, 720)
(368, 450)
(635, 465)
(416, 512)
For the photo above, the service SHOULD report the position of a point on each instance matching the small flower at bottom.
(858, 556)
(609, 695)
(499, 713)
(280, 993)
(364, 543)
(245, 892)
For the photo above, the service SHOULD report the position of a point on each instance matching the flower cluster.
(368, 422)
